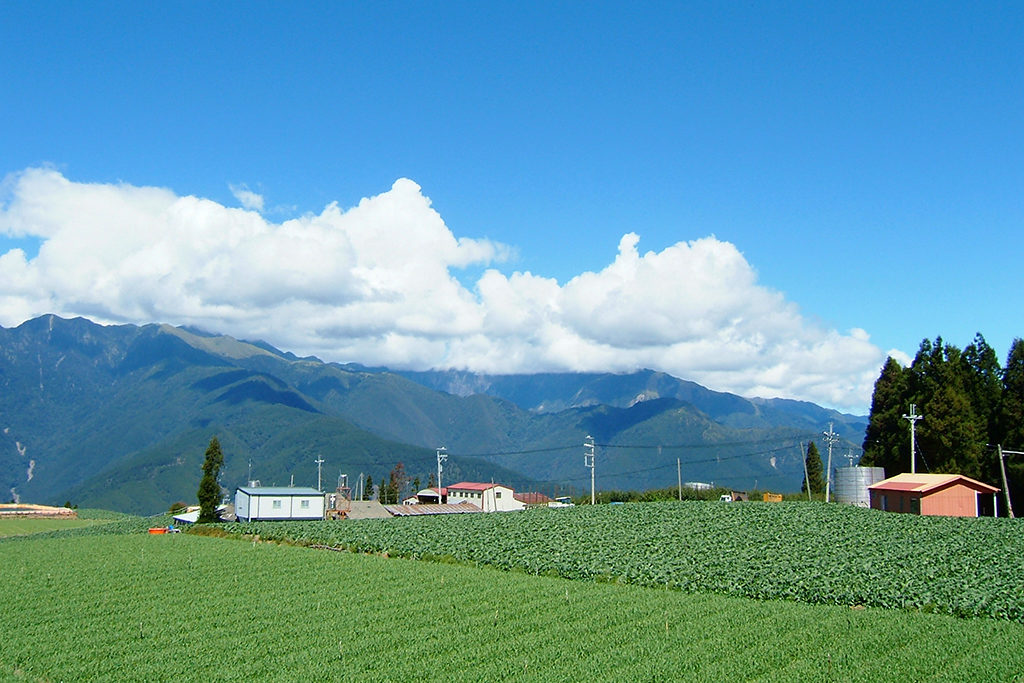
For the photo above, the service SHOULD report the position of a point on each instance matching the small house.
(255, 503)
(487, 497)
(933, 494)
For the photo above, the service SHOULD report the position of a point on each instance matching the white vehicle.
(562, 502)
(725, 498)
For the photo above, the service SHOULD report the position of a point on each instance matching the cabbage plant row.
(806, 552)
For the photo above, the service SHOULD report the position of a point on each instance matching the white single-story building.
(487, 497)
(253, 503)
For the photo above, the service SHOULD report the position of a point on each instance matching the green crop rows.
(831, 554)
(183, 607)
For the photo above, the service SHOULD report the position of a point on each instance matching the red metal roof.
(471, 486)
(897, 486)
(926, 483)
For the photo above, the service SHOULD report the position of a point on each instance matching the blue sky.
(862, 159)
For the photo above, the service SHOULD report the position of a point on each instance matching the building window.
(304, 504)
(497, 494)
(276, 505)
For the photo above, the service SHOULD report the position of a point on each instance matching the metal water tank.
(852, 484)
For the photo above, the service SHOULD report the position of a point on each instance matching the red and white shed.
(953, 495)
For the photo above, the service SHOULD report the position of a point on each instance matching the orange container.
(158, 530)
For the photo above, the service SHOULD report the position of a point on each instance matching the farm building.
(533, 498)
(191, 514)
(933, 494)
(254, 503)
(487, 497)
(430, 496)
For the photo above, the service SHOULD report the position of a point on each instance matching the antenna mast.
(442, 456)
(319, 463)
(913, 418)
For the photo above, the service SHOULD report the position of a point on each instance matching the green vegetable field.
(805, 552)
(129, 606)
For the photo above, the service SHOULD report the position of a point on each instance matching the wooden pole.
(1006, 489)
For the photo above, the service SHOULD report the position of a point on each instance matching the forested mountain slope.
(119, 417)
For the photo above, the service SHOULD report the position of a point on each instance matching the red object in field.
(158, 530)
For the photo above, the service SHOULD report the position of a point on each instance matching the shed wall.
(955, 501)
(894, 501)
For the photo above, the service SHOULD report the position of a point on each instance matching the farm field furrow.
(814, 553)
(184, 607)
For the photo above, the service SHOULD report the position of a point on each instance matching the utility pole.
(830, 438)
(442, 455)
(807, 477)
(679, 477)
(319, 464)
(913, 418)
(588, 461)
(1002, 468)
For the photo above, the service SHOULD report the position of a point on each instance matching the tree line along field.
(120, 606)
(806, 552)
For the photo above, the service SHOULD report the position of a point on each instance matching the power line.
(694, 446)
(666, 466)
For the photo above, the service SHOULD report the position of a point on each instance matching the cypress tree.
(209, 489)
(984, 383)
(815, 471)
(949, 436)
(1010, 421)
(1010, 430)
(884, 442)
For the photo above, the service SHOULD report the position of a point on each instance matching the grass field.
(140, 607)
(19, 526)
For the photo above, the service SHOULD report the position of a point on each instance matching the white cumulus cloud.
(374, 284)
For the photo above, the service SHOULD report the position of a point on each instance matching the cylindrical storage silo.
(852, 484)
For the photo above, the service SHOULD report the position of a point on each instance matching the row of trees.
(398, 483)
(970, 406)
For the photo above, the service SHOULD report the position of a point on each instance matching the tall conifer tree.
(209, 489)
(884, 445)
(1010, 431)
(815, 471)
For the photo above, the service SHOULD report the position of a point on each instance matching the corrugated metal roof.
(532, 498)
(280, 491)
(431, 509)
(925, 483)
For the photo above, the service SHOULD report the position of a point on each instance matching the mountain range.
(119, 417)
